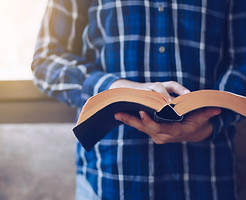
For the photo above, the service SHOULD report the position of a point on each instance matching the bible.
(97, 116)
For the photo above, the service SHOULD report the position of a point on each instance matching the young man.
(171, 47)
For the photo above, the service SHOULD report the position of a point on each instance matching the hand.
(160, 87)
(194, 128)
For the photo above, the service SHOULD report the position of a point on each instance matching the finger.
(175, 87)
(212, 112)
(203, 115)
(159, 87)
(149, 124)
(129, 120)
(153, 127)
(154, 130)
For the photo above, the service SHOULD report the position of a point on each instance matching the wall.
(37, 162)
(36, 145)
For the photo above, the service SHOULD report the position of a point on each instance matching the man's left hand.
(194, 128)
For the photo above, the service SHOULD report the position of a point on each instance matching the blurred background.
(36, 139)
(19, 25)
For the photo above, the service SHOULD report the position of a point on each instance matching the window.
(20, 101)
(19, 24)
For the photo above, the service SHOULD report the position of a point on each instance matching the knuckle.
(157, 83)
(172, 83)
(157, 141)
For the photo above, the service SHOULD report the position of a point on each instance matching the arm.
(58, 67)
(233, 78)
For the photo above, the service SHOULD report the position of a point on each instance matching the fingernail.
(117, 117)
(217, 112)
(141, 113)
(214, 112)
(186, 91)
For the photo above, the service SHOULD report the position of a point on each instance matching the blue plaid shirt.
(84, 46)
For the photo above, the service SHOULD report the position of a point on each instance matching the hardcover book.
(97, 116)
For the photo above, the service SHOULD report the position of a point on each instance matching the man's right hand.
(161, 87)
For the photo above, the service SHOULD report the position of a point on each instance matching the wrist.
(122, 83)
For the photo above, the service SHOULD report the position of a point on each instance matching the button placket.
(160, 9)
(162, 49)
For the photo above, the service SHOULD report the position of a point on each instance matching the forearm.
(60, 70)
(69, 79)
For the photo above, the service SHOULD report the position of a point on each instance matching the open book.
(97, 116)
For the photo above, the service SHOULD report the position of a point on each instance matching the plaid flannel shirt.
(83, 46)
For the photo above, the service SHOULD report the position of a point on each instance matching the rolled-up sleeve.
(59, 67)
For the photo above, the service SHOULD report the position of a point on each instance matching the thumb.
(204, 114)
(211, 112)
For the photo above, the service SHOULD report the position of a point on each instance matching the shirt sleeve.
(59, 67)
(233, 78)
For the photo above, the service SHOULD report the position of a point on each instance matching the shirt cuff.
(97, 82)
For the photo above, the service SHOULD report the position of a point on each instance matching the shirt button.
(162, 49)
(160, 9)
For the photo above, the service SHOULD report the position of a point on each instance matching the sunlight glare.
(19, 24)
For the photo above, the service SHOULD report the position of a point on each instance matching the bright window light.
(19, 25)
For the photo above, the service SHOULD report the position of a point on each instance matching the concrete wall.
(37, 162)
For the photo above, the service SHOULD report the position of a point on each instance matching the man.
(171, 47)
